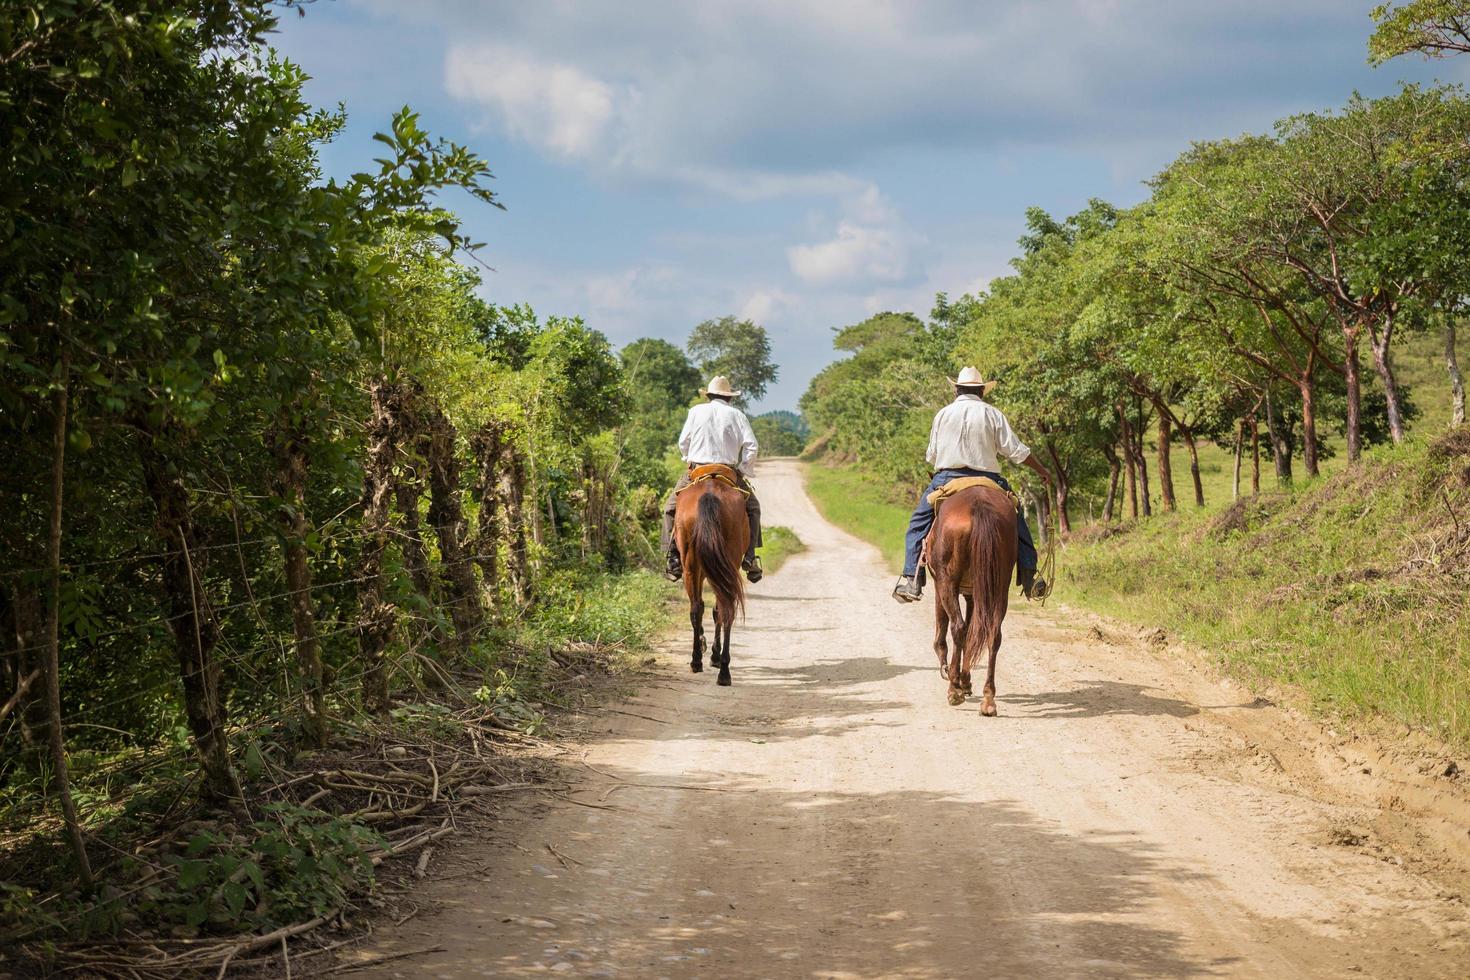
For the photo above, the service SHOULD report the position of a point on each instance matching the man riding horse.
(968, 438)
(716, 432)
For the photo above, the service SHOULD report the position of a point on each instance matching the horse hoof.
(723, 680)
(697, 668)
(956, 698)
(987, 709)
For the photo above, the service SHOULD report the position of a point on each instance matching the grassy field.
(778, 544)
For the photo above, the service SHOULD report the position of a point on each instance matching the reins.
(1048, 570)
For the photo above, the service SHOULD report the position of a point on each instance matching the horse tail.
(720, 566)
(990, 573)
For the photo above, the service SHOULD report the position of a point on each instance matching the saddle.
(965, 483)
(714, 471)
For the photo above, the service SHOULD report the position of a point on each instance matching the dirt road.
(831, 816)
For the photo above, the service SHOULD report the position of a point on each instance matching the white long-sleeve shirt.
(970, 433)
(718, 432)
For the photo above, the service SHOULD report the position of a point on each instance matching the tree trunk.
(376, 616)
(1239, 445)
(408, 488)
(196, 632)
(1379, 344)
(1457, 381)
(61, 770)
(1280, 451)
(1129, 460)
(1144, 495)
(20, 677)
(1309, 427)
(1132, 474)
(291, 468)
(1255, 454)
(1113, 471)
(28, 615)
(1061, 490)
(513, 490)
(1064, 519)
(1193, 447)
(487, 446)
(1351, 374)
(446, 515)
(1166, 467)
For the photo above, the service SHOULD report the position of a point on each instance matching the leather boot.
(1031, 586)
(674, 572)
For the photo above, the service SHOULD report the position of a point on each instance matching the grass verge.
(778, 544)
(862, 506)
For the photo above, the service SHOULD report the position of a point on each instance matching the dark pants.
(752, 513)
(923, 519)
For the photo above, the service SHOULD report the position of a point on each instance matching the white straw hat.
(720, 385)
(971, 378)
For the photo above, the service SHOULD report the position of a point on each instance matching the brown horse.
(712, 532)
(972, 552)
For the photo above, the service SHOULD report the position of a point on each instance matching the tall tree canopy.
(738, 349)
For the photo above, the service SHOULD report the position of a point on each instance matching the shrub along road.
(831, 816)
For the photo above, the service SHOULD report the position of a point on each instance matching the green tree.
(662, 384)
(1433, 28)
(779, 433)
(738, 349)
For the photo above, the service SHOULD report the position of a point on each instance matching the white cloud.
(856, 253)
(870, 245)
(552, 106)
(764, 304)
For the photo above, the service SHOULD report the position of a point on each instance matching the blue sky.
(809, 162)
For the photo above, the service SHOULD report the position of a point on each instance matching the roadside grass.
(863, 506)
(777, 545)
(312, 843)
(1353, 590)
(613, 611)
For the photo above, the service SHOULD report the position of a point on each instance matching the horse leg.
(987, 704)
(696, 620)
(729, 616)
(954, 610)
(714, 655)
(965, 684)
(941, 627)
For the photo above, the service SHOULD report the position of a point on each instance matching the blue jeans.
(923, 519)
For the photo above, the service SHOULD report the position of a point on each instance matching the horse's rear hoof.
(697, 668)
(724, 679)
(956, 697)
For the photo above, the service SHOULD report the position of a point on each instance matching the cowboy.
(717, 432)
(968, 438)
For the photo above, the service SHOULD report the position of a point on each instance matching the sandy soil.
(831, 816)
